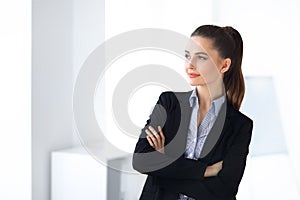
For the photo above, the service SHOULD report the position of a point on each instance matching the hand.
(156, 139)
(214, 169)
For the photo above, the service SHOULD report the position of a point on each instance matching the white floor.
(269, 177)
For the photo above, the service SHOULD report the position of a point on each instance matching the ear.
(226, 65)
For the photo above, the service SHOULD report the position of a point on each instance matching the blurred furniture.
(76, 175)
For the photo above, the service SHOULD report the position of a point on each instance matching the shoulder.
(171, 99)
(239, 119)
(171, 95)
(167, 94)
(243, 118)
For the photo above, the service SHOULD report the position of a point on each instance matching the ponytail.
(233, 78)
(229, 44)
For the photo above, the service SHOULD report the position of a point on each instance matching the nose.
(189, 65)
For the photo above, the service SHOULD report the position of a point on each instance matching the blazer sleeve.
(147, 160)
(225, 184)
(234, 163)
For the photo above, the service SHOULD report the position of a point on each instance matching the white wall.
(88, 33)
(122, 16)
(64, 34)
(272, 46)
(179, 16)
(15, 77)
(52, 75)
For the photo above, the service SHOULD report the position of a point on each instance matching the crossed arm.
(156, 140)
(220, 179)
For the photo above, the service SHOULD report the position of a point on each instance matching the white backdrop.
(15, 106)
(270, 33)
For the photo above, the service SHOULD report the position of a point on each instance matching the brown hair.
(228, 42)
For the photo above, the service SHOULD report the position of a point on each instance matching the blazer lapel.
(218, 130)
(178, 143)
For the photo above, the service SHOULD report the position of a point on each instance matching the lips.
(193, 75)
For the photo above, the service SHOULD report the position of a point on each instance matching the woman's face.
(203, 64)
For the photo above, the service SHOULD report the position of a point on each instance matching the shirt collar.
(193, 98)
(216, 103)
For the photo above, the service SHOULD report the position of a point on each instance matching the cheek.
(208, 69)
(185, 66)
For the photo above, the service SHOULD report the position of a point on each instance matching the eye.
(187, 56)
(201, 58)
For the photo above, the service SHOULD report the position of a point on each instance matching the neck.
(207, 93)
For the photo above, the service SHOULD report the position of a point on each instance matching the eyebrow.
(197, 53)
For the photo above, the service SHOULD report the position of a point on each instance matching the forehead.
(200, 44)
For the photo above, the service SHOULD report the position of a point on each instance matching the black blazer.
(171, 173)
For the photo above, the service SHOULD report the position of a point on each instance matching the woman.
(195, 144)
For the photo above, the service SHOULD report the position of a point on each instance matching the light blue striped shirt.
(197, 135)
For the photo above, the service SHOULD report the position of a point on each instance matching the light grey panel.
(260, 104)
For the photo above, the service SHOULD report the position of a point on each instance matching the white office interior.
(66, 32)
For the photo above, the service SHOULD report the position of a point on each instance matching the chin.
(193, 84)
(196, 83)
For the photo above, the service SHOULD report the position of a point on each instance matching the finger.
(161, 135)
(153, 139)
(154, 132)
(157, 137)
(220, 165)
(150, 141)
